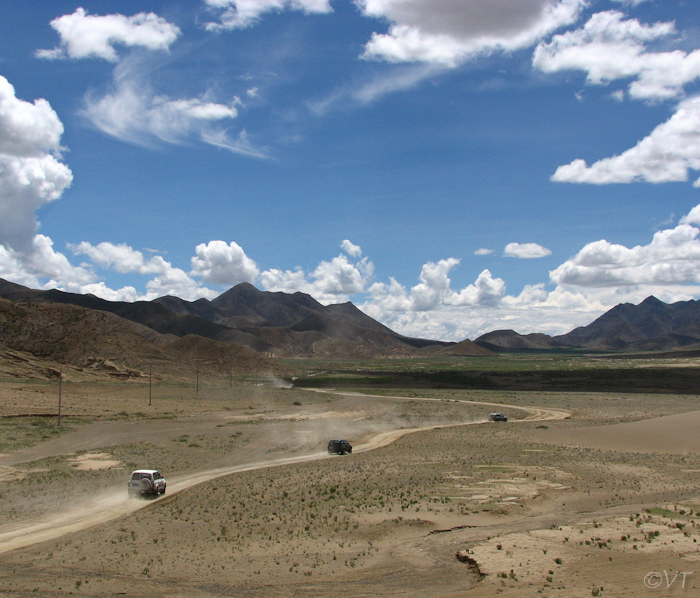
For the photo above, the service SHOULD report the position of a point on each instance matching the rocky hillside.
(36, 340)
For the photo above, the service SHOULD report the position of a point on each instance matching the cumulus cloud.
(351, 249)
(31, 174)
(668, 154)
(434, 291)
(486, 291)
(40, 262)
(331, 282)
(225, 264)
(448, 32)
(484, 251)
(610, 47)
(168, 280)
(670, 259)
(92, 36)
(239, 14)
(526, 251)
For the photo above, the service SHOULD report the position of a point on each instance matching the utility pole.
(197, 362)
(150, 384)
(60, 391)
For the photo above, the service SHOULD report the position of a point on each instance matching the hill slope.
(38, 339)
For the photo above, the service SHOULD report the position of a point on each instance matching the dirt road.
(108, 506)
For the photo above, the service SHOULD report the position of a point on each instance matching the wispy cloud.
(239, 14)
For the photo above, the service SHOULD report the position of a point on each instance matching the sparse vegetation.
(334, 520)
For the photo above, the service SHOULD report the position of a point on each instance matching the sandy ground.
(566, 499)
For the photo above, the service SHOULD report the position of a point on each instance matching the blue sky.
(452, 167)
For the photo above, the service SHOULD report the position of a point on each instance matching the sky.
(452, 167)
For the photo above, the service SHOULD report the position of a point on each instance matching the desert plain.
(580, 493)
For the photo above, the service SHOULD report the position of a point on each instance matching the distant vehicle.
(497, 417)
(339, 447)
(146, 482)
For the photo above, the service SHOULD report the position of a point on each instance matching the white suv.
(146, 482)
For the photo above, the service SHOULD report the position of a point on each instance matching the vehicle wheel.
(349, 451)
(163, 490)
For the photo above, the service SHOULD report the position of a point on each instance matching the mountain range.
(246, 328)
(269, 324)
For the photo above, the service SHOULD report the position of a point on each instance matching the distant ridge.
(650, 326)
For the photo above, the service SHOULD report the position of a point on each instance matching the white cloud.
(119, 257)
(239, 14)
(375, 86)
(692, 217)
(434, 286)
(487, 291)
(30, 173)
(169, 280)
(12, 268)
(177, 283)
(351, 249)
(88, 36)
(127, 294)
(667, 154)
(434, 292)
(670, 259)
(610, 47)
(219, 263)
(526, 251)
(330, 282)
(449, 32)
(240, 144)
(133, 113)
(484, 251)
(41, 262)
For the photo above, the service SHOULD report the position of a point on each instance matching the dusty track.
(108, 506)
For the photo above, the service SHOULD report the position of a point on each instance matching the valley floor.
(576, 495)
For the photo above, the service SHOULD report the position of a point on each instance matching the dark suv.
(339, 447)
(497, 417)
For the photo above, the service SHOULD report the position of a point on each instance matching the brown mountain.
(36, 339)
(502, 341)
(276, 324)
(464, 348)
